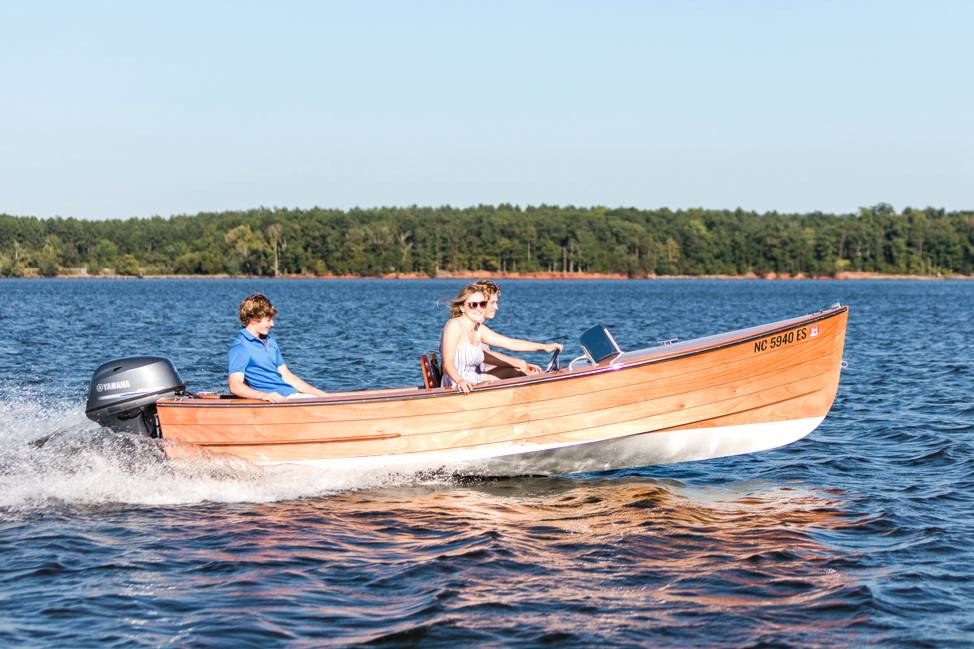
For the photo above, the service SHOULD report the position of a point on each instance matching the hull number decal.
(781, 340)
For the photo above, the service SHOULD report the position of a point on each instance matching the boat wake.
(52, 458)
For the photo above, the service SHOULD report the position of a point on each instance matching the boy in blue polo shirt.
(256, 369)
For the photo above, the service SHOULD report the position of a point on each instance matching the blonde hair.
(256, 307)
(461, 298)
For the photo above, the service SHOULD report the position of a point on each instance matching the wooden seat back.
(432, 372)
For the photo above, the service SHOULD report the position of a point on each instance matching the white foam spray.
(80, 464)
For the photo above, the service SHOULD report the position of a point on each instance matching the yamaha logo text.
(112, 385)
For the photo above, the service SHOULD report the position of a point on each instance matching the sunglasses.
(477, 305)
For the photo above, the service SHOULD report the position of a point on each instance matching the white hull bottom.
(643, 449)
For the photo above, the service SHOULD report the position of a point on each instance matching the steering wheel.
(553, 362)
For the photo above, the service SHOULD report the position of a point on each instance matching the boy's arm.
(237, 359)
(240, 388)
(494, 357)
(299, 385)
(516, 344)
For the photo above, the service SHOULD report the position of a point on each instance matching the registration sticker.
(813, 332)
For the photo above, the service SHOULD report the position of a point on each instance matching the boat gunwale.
(410, 393)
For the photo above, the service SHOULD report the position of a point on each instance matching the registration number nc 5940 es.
(780, 340)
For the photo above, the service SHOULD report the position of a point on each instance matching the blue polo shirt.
(258, 359)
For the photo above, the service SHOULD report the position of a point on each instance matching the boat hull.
(739, 392)
(644, 449)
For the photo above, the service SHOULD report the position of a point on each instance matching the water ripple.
(858, 535)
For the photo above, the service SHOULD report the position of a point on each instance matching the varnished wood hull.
(739, 392)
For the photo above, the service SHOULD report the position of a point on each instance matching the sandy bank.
(471, 275)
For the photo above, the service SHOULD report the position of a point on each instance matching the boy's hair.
(487, 287)
(256, 307)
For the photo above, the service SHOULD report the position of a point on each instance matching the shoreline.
(473, 275)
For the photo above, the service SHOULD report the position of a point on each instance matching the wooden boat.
(738, 392)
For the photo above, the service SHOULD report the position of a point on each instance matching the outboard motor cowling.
(123, 393)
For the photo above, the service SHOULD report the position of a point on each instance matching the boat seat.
(432, 372)
(598, 345)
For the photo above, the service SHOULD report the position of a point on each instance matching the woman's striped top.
(469, 360)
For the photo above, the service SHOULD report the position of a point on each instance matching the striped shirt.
(469, 361)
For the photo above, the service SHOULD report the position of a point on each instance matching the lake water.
(859, 534)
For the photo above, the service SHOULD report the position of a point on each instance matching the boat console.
(598, 345)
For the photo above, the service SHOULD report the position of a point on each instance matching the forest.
(502, 238)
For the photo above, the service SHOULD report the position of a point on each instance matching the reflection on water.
(495, 560)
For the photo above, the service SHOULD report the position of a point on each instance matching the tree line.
(506, 238)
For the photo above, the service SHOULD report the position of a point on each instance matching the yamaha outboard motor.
(123, 393)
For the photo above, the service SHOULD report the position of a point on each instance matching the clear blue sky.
(118, 109)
